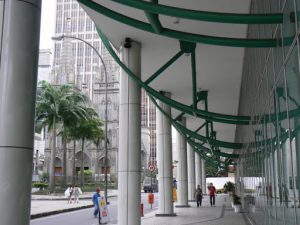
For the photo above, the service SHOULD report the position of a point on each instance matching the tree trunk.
(82, 169)
(64, 178)
(52, 159)
(74, 165)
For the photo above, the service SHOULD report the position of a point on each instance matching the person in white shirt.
(77, 191)
(69, 193)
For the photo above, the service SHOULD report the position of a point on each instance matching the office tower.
(75, 62)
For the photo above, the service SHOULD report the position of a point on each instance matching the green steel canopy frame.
(188, 44)
(185, 132)
(209, 116)
(191, 136)
(237, 18)
(189, 37)
(190, 110)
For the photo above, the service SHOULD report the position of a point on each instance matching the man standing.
(212, 194)
(198, 195)
(96, 203)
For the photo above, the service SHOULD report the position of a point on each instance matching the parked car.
(149, 186)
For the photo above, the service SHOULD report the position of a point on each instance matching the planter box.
(237, 208)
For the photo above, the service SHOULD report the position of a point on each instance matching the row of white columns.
(129, 160)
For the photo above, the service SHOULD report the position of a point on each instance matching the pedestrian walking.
(198, 195)
(69, 193)
(76, 191)
(212, 194)
(96, 203)
(269, 194)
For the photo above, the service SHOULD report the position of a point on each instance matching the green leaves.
(66, 108)
(63, 104)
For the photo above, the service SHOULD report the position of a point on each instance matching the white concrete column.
(164, 158)
(191, 172)
(286, 162)
(129, 158)
(275, 166)
(198, 170)
(203, 177)
(20, 28)
(182, 185)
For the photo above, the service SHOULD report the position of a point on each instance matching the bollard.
(142, 210)
(150, 198)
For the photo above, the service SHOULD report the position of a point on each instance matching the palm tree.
(89, 129)
(71, 112)
(75, 133)
(55, 104)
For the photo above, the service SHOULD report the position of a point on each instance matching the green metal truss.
(237, 18)
(184, 131)
(187, 43)
(189, 37)
(192, 136)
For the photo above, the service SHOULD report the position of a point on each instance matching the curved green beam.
(209, 116)
(281, 116)
(223, 154)
(190, 37)
(202, 152)
(271, 141)
(210, 160)
(243, 120)
(208, 140)
(184, 131)
(237, 18)
(199, 148)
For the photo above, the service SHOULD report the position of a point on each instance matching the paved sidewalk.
(222, 214)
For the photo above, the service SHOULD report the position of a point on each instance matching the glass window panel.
(289, 26)
(293, 126)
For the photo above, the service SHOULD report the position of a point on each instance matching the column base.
(182, 206)
(165, 214)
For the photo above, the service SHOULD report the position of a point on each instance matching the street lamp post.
(61, 37)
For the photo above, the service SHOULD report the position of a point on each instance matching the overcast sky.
(47, 24)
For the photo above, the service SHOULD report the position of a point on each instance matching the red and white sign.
(151, 167)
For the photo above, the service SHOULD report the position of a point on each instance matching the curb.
(65, 199)
(39, 215)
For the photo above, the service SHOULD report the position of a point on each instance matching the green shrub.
(249, 190)
(86, 172)
(40, 185)
(45, 177)
(236, 200)
(229, 187)
(220, 191)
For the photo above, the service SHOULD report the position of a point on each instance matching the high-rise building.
(148, 119)
(44, 74)
(77, 63)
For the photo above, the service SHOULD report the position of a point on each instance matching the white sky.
(47, 24)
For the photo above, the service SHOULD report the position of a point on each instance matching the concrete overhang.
(218, 68)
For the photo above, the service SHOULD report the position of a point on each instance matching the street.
(85, 216)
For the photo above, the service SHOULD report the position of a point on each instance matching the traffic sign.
(151, 167)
